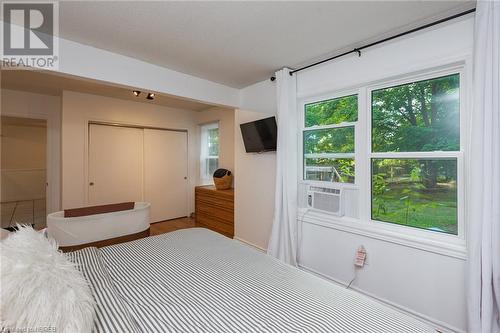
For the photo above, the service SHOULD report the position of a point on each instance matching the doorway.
(23, 171)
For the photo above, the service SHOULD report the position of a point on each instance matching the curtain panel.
(284, 236)
(484, 175)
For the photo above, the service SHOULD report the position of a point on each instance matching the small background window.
(209, 152)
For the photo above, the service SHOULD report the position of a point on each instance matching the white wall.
(23, 146)
(24, 161)
(429, 285)
(78, 109)
(29, 105)
(259, 97)
(225, 118)
(254, 190)
(443, 44)
(89, 62)
(69, 175)
(255, 175)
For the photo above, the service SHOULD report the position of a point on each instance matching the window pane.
(332, 111)
(213, 142)
(420, 193)
(212, 165)
(420, 116)
(209, 152)
(332, 140)
(329, 169)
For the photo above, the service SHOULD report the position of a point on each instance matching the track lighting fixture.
(149, 96)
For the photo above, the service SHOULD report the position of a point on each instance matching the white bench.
(72, 233)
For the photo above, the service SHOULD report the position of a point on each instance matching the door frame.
(53, 156)
(105, 123)
(143, 127)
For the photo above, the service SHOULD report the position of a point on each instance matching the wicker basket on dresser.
(214, 209)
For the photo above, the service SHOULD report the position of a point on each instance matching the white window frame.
(447, 244)
(204, 178)
(303, 129)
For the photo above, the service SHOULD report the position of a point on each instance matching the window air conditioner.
(325, 199)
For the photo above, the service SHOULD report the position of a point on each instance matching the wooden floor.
(171, 225)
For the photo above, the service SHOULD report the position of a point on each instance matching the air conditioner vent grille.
(325, 199)
(324, 189)
(326, 202)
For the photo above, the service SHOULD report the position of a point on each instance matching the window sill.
(443, 244)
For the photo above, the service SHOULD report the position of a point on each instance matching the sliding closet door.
(165, 176)
(115, 164)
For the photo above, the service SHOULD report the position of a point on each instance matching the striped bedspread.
(195, 280)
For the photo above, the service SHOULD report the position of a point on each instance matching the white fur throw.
(41, 290)
(4, 234)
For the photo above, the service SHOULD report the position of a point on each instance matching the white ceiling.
(239, 43)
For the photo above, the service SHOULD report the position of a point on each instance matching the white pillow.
(41, 289)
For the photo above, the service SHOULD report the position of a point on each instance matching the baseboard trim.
(261, 249)
(438, 325)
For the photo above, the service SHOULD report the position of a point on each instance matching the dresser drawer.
(219, 213)
(214, 209)
(212, 192)
(214, 224)
(207, 200)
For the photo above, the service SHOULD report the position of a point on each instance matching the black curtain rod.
(358, 49)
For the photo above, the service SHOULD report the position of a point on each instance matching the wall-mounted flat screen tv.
(260, 136)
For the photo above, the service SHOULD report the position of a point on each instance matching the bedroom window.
(415, 149)
(394, 151)
(328, 139)
(209, 152)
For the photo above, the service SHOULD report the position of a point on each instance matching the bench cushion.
(93, 210)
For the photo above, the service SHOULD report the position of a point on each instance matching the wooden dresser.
(214, 209)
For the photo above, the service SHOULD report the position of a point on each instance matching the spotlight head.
(151, 96)
(136, 93)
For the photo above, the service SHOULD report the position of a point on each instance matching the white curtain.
(284, 236)
(484, 170)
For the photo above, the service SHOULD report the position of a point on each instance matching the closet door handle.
(91, 183)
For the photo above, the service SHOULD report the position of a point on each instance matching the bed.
(195, 280)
